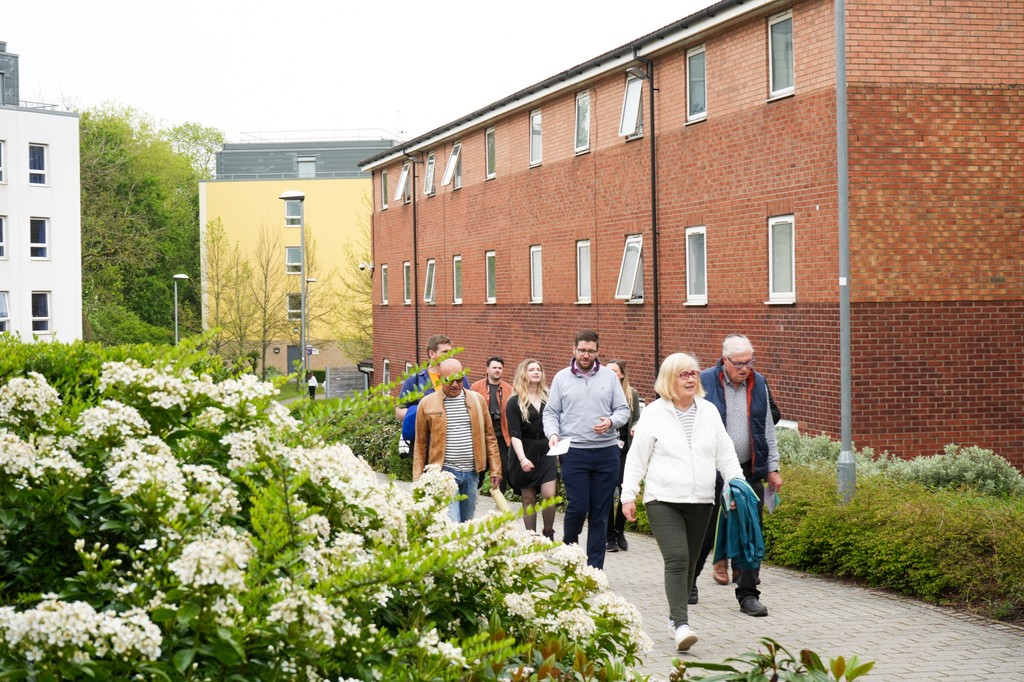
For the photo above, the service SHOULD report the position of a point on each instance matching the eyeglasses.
(749, 364)
(690, 374)
(587, 351)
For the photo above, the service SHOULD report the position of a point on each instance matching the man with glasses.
(453, 429)
(741, 396)
(587, 405)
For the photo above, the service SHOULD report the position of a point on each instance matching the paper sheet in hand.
(771, 501)
(561, 448)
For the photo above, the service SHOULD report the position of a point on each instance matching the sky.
(284, 66)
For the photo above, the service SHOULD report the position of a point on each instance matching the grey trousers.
(679, 529)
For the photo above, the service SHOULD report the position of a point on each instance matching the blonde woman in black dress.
(529, 468)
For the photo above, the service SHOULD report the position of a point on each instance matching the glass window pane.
(492, 163)
(696, 262)
(583, 271)
(583, 121)
(457, 278)
(492, 278)
(696, 85)
(782, 55)
(782, 258)
(630, 122)
(631, 271)
(535, 137)
(536, 275)
(4, 310)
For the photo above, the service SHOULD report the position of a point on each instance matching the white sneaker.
(685, 638)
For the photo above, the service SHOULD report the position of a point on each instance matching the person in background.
(497, 393)
(678, 445)
(425, 381)
(616, 521)
(311, 384)
(530, 469)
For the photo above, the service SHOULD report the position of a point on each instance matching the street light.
(294, 216)
(309, 280)
(176, 278)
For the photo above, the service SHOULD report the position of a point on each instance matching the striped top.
(458, 445)
(686, 419)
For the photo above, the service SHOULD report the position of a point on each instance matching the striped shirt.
(686, 418)
(458, 445)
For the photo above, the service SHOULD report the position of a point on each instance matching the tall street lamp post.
(177, 277)
(294, 210)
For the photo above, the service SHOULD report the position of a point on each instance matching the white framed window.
(383, 190)
(3, 237)
(403, 192)
(696, 266)
(536, 275)
(631, 274)
(408, 367)
(491, 272)
(294, 304)
(781, 260)
(428, 282)
(5, 313)
(39, 238)
(490, 153)
(535, 138)
(582, 121)
(293, 260)
(583, 271)
(631, 124)
(37, 164)
(696, 84)
(3, 159)
(384, 284)
(428, 176)
(453, 171)
(386, 372)
(306, 166)
(456, 279)
(407, 282)
(780, 54)
(41, 312)
(292, 213)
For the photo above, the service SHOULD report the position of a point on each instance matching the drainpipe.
(415, 259)
(654, 212)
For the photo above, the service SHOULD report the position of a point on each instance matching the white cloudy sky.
(275, 66)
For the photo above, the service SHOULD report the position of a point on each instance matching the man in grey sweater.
(587, 404)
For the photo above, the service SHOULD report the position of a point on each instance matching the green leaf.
(183, 659)
(187, 613)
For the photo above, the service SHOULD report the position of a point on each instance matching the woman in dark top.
(616, 521)
(529, 467)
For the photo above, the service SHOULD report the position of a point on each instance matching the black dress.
(535, 447)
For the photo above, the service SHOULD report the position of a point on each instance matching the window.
(536, 276)
(428, 176)
(384, 284)
(631, 274)
(457, 279)
(583, 271)
(404, 190)
(5, 313)
(306, 166)
(2, 149)
(490, 153)
(383, 190)
(492, 277)
(294, 307)
(293, 260)
(453, 171)
(407, 282)
(428, 284)
(781, 260)
(37, 164)
(632, 122)
(38, 232)
(3, 236)
(386, 370)
(696, 266)
(535, 138)
(696, 85)
(41, 311)
(780, 54)
(582, 121)
(408, 367)
(292, 213)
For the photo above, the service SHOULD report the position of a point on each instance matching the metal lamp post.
(177, 277)
(294, 216)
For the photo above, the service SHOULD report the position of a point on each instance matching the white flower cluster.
(614, 606)
(213, 494)
(111, 420)
(246, 447)
(27, 399)
(160, 388)
(431, 643)
(29, 463)
(144, 467)
(218, 560)
(311, 612)
(60, 629)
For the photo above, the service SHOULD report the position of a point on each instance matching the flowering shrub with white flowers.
(159, 522)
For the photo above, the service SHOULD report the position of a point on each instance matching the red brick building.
(566, 205)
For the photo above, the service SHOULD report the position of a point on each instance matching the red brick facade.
(937, 269)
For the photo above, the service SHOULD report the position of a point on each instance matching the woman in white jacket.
(679, 443)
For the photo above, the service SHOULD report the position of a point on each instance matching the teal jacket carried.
(738, 535)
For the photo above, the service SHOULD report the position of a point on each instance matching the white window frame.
(697, 266)
(407, 282)
(408, 367)
(536, 138)
(631, 123)
(5, 312)
(292, 219)
(292, 267)
(490, 153)
(39, 250)
(583, 279)
(781, 292)
(457, 280)
(453, 171)
(428, 176)
(302, 164)
(776, 90)
(582, 140)
(536, 274)
(293, 314)
(41, 180)
(386, 371)
(41, 323)
(403, 191)
(3, 237)
(3, 161)
(490, 277)
(428, 281)
(631, 271)
(384, 284)
(691, 54)
(383, 190)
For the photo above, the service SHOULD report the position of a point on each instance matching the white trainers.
(685, 638)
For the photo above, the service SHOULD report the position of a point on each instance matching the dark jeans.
(590, 477)
(616, 521)
(679, 530)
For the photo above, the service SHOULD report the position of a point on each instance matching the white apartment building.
(40, 215)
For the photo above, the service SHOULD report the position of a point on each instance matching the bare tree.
(230, 307)
(355, 318)
(269, 294)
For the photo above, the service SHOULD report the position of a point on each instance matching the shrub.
(767, 666)
(974, 467)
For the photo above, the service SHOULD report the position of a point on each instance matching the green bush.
(974, 467)
(766, 666)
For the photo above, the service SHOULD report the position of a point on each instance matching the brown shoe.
(720, 572)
